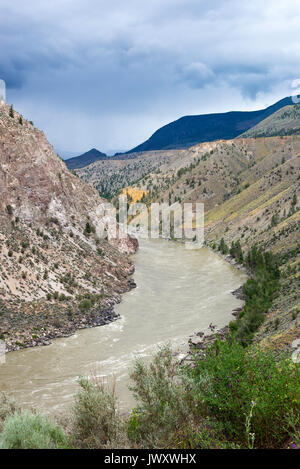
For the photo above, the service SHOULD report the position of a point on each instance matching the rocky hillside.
(56, 273)
(111, 176)
(286, 121)
(214, 172)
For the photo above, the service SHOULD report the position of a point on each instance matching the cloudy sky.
(108, 73)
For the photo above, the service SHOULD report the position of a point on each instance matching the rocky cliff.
(56, 272)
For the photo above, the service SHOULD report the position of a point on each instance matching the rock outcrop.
(57, 273)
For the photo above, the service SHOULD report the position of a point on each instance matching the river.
(179, 292)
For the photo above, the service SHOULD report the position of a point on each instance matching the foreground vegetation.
(233, 397)
(233, 394)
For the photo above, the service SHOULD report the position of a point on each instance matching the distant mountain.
(286, 121)
(85, 159)
(190, 130)
(65, 154)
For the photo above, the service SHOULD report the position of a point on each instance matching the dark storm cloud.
(108, 73)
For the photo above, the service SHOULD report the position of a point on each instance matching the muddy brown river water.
(179, 292)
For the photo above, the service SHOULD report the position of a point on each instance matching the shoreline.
(93, 318)
(200, 341)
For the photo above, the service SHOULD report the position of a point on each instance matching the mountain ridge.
(191, 130)
(85, 159)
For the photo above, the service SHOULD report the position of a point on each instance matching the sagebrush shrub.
(166, 403)
(27, 430)
(97, 423)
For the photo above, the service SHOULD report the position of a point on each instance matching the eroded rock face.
(56, 274)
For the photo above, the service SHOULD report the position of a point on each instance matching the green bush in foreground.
(29, 430)
(163, 404)
(249, 393)
(168, 411)
(97, 423)
(230, 398)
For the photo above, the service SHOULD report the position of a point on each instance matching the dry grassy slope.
(213, 172)
(110, 177)
(272, 181)
(248, 216)
(286, 121)
(44, 249)
(219, 173)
